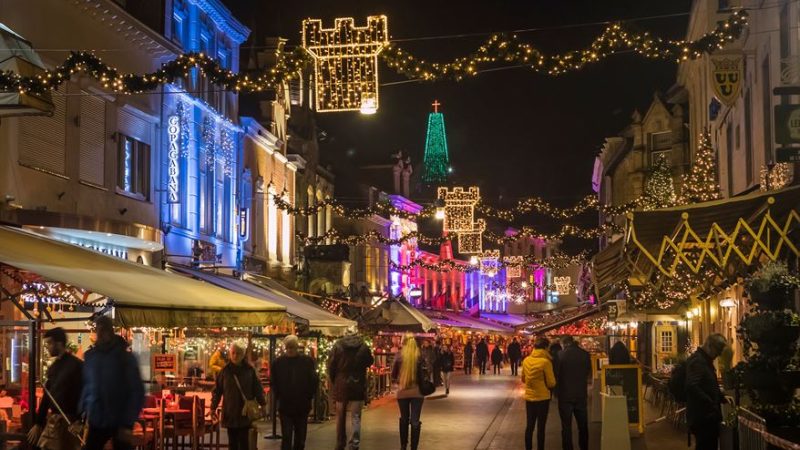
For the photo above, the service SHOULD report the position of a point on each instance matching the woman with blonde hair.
(407, 371)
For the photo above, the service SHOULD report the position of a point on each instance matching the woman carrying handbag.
(244, 399)
(414, 384)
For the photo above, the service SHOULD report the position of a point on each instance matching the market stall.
(44, 282)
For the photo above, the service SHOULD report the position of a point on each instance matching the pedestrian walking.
(574, 371)
(113, 393)
(437, 365)
(429, 357)
(703, 396)
(468, 352)
(294, 381)
(555, 349)
(482, 353)
(619, 354)
(239, 386)
(51, 431)
(447, 361)
(347, 369)
(497, 359)
(539, 380)
(409, 368)
(514, 352)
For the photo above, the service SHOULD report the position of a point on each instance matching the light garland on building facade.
(778, 177)
(559, 261)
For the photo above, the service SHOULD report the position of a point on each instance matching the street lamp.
(369, 104)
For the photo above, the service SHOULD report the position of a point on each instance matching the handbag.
(426, 386)
(251, 408)
(57, 436)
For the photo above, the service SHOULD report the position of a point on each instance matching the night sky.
(514, 133)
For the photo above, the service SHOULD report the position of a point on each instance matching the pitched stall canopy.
(141, 296)
(300, 310)
(542, 326)
(728, 234)
(465, 322)
(732, 235)
(396, 315)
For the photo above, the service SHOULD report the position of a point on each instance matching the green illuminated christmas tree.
(659, 191)
(437, 161)
(700, 184)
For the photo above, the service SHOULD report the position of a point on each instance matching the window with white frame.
(660, 146)
(286, 234)
(666, 341)
(272, 226)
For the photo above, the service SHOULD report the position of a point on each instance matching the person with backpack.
(573, 373)
(695, 382)
(347, 369)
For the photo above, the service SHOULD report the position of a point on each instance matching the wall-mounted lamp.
(727, 303)
(122, 211)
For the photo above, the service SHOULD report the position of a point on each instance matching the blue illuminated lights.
(174, 131)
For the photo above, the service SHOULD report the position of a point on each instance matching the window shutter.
(133, 126)
(42, 139)
(93, 139)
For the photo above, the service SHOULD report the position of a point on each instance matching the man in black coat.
(573, 374)
(703, 397)
(514, 353)
(295, 382)
(482, 353)
(468, 351)
(347, 369)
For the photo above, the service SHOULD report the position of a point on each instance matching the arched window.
(286, 235)
(311, 217)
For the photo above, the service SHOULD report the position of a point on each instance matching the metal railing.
(751, 430)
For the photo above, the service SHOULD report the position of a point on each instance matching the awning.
(299, 309)
(543, 325)
(465, 322)
(609, 268)
(396, 315)
(142, 296)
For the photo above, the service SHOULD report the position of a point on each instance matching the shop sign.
(726, 77)
(787, 124)
(167, 362)
(174, 132)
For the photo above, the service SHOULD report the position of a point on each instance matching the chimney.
(397, 169)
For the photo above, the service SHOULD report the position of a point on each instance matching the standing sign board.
(165, 363)
(626, 378)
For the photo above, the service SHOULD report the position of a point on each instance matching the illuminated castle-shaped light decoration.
(346, 62)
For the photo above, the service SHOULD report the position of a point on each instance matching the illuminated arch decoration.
(459, 208)
(471, 242)
(346, 62)
(513, 266)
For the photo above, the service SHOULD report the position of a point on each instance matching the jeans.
(293, 431)
(514, 367)
(239, 438)
(482, 366)
(536, 413)
(447, 380)
(706, 436)
(410, 410)
(468, 365)
(579, 409)
(97, 438)
(342, 409)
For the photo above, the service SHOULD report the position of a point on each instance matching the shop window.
(133, 167)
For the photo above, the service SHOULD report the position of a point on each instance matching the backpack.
(677, 382)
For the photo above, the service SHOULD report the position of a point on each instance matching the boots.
(415, 430)
(403, 434)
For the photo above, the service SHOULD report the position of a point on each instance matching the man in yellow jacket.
(537, 374)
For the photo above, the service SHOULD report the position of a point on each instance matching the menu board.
(165, 363)
(628, 379)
